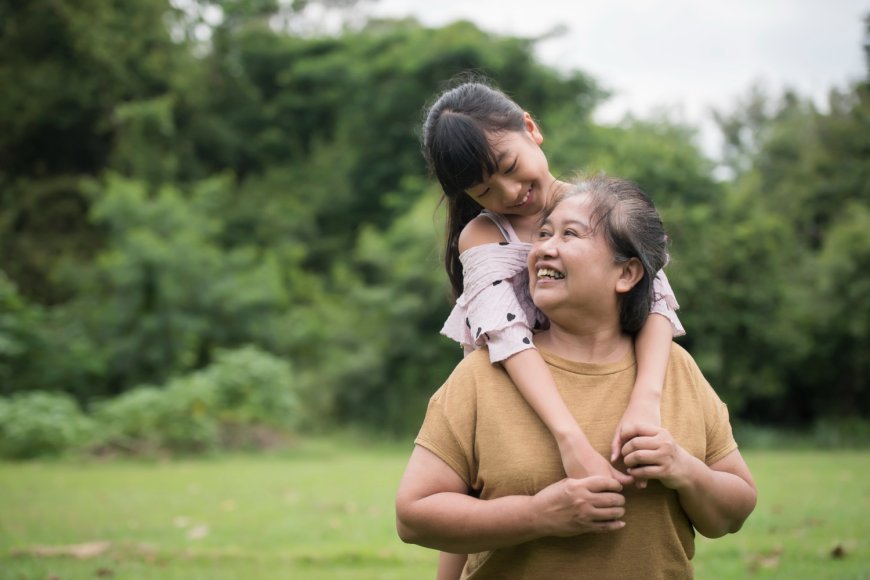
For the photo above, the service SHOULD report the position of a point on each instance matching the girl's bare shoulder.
(481, 230)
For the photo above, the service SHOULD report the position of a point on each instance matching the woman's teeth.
(550, 273)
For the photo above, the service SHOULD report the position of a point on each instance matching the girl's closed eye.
(477, 191)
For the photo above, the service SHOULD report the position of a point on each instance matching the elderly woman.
(485, 477)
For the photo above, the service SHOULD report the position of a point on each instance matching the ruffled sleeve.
(495, 308)
(665, 303)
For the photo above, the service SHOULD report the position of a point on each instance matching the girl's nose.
(510, 187)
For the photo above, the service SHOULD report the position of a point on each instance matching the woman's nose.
(546, 248)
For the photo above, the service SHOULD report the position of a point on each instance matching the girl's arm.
(533, 379)
(450, 565)
(653, 350)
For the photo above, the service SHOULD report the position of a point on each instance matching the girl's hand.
(640, 411)
(652, 453)
(580, 460)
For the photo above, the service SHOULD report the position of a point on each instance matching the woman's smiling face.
(571, 266)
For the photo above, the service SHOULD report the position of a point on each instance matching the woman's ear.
(630, 273)
(532, 128)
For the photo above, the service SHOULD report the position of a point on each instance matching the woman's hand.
(576, 506)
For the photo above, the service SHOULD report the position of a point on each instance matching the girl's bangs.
(462, 154)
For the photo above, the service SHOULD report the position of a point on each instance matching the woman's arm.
(433, 509)
(533, 379)
(720, 497)
(717, 498)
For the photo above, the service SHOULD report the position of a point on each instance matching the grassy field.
(325, 511)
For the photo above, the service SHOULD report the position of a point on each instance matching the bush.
(189, 422)
(132, 421)
(39, 423)
(255, 388)
(242, 399)
(179, 417)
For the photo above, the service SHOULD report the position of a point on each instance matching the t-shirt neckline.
(584, 368)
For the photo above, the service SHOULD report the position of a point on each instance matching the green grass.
(325, 510)
(811, 520)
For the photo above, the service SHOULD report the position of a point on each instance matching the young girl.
(485, 151)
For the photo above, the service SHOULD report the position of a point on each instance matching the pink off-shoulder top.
(496, 309)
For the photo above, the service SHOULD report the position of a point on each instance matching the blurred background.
(216, 226)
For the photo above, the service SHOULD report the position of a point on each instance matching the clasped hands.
(595, 503)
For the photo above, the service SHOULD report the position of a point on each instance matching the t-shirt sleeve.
(720, 439)
(448, 428)
(665, 303)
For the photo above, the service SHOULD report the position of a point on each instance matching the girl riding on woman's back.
(484, 149)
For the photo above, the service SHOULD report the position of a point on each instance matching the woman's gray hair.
(627, 218)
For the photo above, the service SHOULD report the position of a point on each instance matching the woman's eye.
(543, 234)
(512, 167)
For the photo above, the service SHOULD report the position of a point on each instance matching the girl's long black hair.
(457, 150)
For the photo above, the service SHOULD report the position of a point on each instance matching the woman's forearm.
(433, 509)
(717, 502)
(454, 522)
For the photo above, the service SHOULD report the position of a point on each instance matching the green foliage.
(43, 225)
(133, 420)
(840, 317)
(167, 195)
(220, 406)
(803, 183)
(39, 424)
(255, 388)
(660, 155)
(178, 418)
(189, 422)
(164, 292)
(65, 66)
(19, 323)
(43, 349)
(390, 357)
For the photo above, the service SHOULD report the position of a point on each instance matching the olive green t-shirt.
(480, 425)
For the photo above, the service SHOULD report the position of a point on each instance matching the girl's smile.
(527, 198)
(522, 178)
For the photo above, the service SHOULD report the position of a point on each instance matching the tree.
(66, 68)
